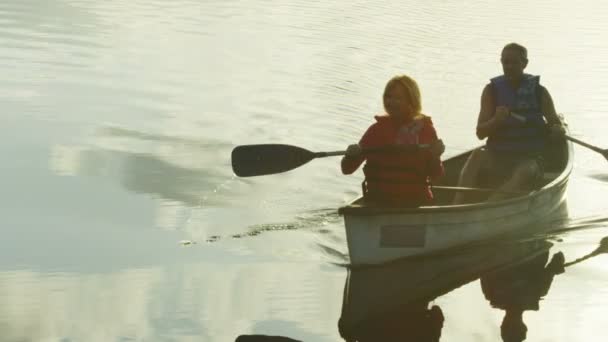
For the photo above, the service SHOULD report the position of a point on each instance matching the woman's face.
(396, 102)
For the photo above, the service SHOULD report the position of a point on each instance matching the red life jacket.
(400, 178)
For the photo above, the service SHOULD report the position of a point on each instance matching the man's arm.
(486, 123)
(548, 108)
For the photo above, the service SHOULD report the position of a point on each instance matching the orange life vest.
(400, 178)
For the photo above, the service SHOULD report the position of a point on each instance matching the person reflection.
(411, 322)
(519, 288)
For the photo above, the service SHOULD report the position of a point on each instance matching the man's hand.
(557, 130)
(502, 112)
(556, 265)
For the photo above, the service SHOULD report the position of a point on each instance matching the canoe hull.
(375, 239)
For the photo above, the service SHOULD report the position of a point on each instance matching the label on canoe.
(402, 236)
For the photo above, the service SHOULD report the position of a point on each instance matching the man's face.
(513, 63)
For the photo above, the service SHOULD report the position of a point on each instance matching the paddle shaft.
(329, 154)
(372, 150)
(582, 143)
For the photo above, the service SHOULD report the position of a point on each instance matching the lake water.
(121, 219)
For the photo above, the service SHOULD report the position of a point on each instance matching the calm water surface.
(122, 220)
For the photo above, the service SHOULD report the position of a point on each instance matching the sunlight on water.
(123, 219)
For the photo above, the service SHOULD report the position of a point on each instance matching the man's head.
(513, 328)
(514, 59)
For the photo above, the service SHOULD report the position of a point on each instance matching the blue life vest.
(513, 135)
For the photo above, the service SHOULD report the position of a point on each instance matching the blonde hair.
(411, 88)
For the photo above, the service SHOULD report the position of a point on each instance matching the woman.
(392, 177)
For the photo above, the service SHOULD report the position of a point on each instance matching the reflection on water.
(601, 177)
(602, 248)
(140, 173)
(56, 306)
(191, 302)
(173, 169)
(118, 118)
(182, 173)
(520, 288)
(188, 187)
(402, 301)
(393, 302)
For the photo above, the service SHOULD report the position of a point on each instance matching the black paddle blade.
(267, 159)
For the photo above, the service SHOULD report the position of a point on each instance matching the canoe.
(392, 301)
(377, 235)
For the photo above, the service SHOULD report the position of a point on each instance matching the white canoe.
(377, 235)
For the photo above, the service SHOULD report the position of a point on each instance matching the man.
(514, 108)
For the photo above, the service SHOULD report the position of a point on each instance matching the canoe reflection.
(392, 302)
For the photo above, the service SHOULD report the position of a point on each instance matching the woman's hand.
(353, 150)
(437, 148)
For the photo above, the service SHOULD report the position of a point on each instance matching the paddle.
(601, 151)
(266, 159)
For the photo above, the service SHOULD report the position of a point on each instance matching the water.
(122, 220)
